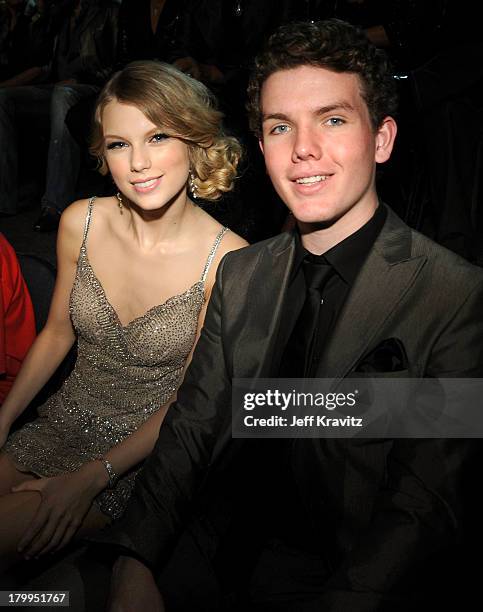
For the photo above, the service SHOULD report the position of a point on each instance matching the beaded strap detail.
(212, 253)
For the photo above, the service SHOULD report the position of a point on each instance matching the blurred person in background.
(82, 60)
(17, 323)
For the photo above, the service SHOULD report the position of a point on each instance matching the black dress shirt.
(346, 259)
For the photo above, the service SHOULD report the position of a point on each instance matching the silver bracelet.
(113, 477)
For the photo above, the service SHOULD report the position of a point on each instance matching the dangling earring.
(193, 187)
(119, 202)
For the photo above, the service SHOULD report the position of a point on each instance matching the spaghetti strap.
(212, 254)
(87, 222)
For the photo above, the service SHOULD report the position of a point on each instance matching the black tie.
(298, 351)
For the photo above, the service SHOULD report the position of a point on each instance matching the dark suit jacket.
(391, 506)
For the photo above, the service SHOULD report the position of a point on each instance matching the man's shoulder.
(275, 244)
(445, 265)
(440, 264)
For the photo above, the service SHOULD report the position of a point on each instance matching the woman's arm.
(57, 337)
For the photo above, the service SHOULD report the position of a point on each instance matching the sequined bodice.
(148, 354)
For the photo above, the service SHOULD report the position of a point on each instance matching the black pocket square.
(388, 356)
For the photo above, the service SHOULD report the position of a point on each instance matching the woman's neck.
(163, 227)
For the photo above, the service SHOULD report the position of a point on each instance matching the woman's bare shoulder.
(229, 242)
(74, 216)
(73, 220)
(232, 242)
(71, 227)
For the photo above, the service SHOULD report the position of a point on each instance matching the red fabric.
(17, 322)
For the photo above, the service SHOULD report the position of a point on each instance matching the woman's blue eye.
(159, 137)
(115, 145)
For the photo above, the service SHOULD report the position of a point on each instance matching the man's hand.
(66, 500)
(133, 588)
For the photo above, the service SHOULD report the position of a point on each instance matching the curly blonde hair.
(183, 107)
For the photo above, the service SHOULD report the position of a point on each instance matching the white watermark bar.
(357, 407)
(19, 598)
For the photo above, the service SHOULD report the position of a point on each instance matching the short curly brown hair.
(332, 44)
(186, 109)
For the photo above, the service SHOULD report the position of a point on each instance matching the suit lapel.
(264, 302)
(385, 277)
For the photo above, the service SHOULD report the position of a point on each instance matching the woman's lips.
(146, 186)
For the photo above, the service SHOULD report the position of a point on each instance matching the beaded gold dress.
(122, 375)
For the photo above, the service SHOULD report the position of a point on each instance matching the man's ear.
(385, 137)
(260, 144)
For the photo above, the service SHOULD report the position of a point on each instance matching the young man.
(319, 524)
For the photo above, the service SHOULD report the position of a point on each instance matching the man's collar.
(348, 256)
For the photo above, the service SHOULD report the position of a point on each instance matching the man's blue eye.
(280, 129)
(335, 121)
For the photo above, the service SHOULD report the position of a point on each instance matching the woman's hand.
(66, 500)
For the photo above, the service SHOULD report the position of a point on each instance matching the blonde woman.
(135, 272)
